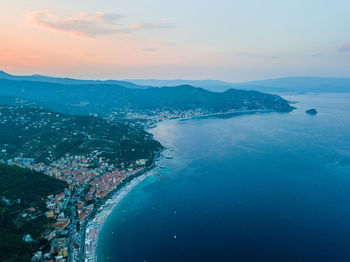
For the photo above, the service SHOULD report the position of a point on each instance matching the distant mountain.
(278, 85)
(104, 99)
(211, 85)
(4, 75)
(302, 84)
(298, 85)
(68, 81)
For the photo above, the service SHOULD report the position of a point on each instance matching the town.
(95, 157)
(71, 208)
(73, 149)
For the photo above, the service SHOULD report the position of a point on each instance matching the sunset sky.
(232, 40)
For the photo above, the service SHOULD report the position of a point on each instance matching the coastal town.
(95, 179)
(93, 170)
(72, 208)
(95, 159)
(151, 117)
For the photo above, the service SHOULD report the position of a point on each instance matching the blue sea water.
(259, 187)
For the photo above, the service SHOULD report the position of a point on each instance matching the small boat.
(175, 236)
(162, 166)
(169, 157)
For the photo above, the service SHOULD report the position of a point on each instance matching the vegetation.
(16, 101)
(104, 99)
(33, 132)
(22, 207)
(311, 111)
(68, 81)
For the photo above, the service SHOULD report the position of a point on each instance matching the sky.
(230, 40)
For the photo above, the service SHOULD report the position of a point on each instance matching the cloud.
(169, 44)
(150, 49)
(345, 48)
(92, 25)
(256, 56)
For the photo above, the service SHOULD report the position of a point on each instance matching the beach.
(96, 223)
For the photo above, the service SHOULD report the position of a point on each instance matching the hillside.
(298, 84)
(68, 81)
(105, 99)
(22, 206)
(210, 85)
(52, 106)
(46, 136)
(277, 85)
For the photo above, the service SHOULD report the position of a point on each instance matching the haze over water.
(262, 187)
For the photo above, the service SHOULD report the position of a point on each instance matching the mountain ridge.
(67, 80)
(105, 99)
(294, 84)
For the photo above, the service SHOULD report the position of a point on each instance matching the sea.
(245, 187)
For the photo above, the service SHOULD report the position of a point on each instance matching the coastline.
(96, 222)
(123, 247)
(95, 225)
(227, 114)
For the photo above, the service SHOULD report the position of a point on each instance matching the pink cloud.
(92, 25)
(345, 48)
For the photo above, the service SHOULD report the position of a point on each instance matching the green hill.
(68, 81)
(104, 99)
(21, 189)
(33, 132)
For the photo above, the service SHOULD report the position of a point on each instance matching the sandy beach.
(94, 225)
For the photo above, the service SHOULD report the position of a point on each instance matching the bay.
(253, 187)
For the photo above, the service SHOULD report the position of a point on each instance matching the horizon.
(234, 41)
(169, 79)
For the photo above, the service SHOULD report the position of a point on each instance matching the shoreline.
(96, 222)
(229, 113)
(218, 114)
(95, 225)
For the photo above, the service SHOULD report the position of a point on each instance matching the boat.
(169, 157)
